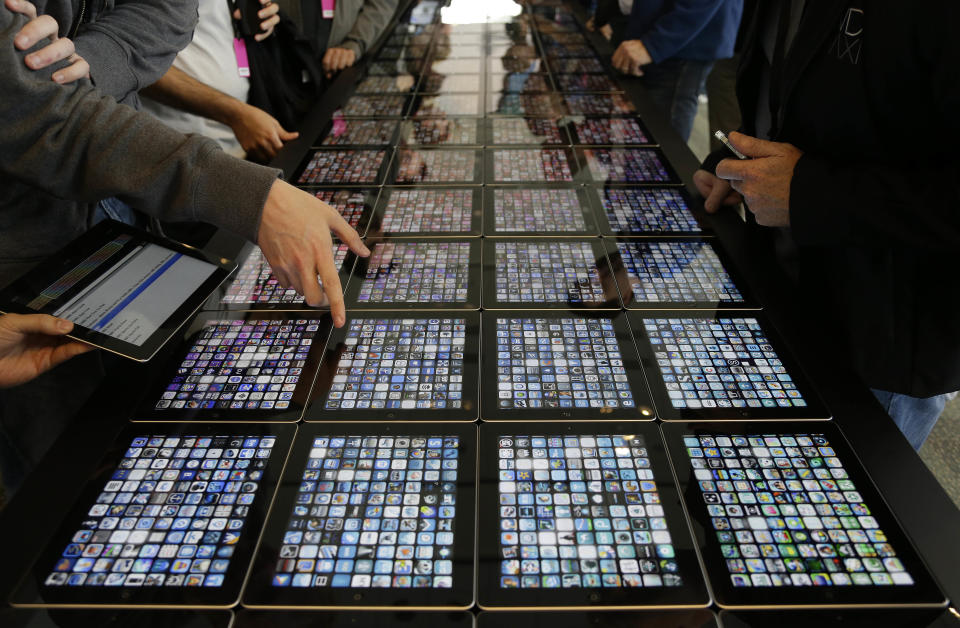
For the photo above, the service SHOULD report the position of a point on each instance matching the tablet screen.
(437, 166)
(590, 65)
(627, 165)
(647, 210)
(255, 284)
(347, 132)
(598, 104)
(586, 83)
(517, 83)
(558, 272)
(511, 165)
(428, 210)
(525, 131)
(374, 106)
(353, 205)
(610, 130)
(524, 104)
(343, 166)
(427, 273)
(433, 83)
(455, 66)
(446, 104)
(441, 132)
(537, 210)
(384, 85)
(675, 271)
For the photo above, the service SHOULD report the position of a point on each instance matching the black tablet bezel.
(260, 593)
(417, 100)
(476, 214)
(614, 255)
(596, 193)
(569, 153)
(114, 617)
(147, 411)
(599, 618)
(315, 412)
(215, 302)
(673, 179)
(488, 124)
(490, 302)
(383, 618)
(490, 410)
(393, 178)
(578, 141)
(489, 210)
(15, 297)
(30, 593)
(924, 593)
(814, 410)
(363, 264)
(406, 130)
(309, 185)
(692, 594)
(392, 140)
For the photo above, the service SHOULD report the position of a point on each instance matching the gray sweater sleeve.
(77, 144)
(133, 44)
(370, 24)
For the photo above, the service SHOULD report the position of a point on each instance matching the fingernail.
(58, 78)
(338, 321)
(21, 40)
(64, 325)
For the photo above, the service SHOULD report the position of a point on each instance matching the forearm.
(179, 90)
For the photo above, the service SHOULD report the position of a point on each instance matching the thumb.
(752, 146)
(38, 324)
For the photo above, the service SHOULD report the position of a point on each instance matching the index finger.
(23, 7)
(733, 169)
(330, 279)
(36, 30)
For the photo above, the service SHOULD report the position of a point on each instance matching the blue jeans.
(915, 416)
(675, 86)
(116, 209)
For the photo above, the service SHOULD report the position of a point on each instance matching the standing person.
(673, 44)
(867, 224)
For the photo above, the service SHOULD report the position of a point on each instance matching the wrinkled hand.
(259, 133)
(269, 17)
(764, 179)
(630, 56)
(295, 238)
(336, 59)
(716, 192)
(60, 48)
(31, 344)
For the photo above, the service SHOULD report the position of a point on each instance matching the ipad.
(446, 104)
(171, 518)
(525, 131)
(647, 211)
(842, 618)
(245, 366)
(451, 83)
(388, 68)
(517, 59)
(343, 166)
(598, 104)
(538, 273)
(372, 85)
(616, 131)
(438, 165)
(440, 132)
(721, 365)
(786, 515)
(353, 619)
(561, 366)
(372, 515)
(440, 273)
(590, 65)
(562, 38)
(466, 47)
(527, 83)
(374, 106)
(524, 104)
(581, 50)
(355, 205)
(126, 290)
(582, 516)
(412, 367)
(359, 132)
(113, 618)
(628, 165)
(675, 273)
(254, 287)
(693, 618)
(429, 211)
(537, 211)
(455, 66)
(586, 83)
(531, 165)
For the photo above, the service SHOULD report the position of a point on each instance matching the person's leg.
(675, 86)
(915, 416)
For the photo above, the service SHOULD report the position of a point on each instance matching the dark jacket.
(871, 95)
(696, 30)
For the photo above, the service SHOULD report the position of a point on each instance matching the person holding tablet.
(849, 129)
(32, 344)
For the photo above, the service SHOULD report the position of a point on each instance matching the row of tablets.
(442, 515)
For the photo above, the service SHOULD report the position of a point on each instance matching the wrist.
(233, 113)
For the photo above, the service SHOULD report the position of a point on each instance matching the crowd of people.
(845, 111)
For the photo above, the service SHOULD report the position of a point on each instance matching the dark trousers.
(674, 85)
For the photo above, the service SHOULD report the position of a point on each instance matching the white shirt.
(210, 58)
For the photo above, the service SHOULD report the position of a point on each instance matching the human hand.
(31, 344)
(764, 179)
(336, 59)
(259, 133)
(295, 238)
(60, 48)
(607, 31)
(630, 56)
(268, 15)
(715, 191)
(591, 24)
